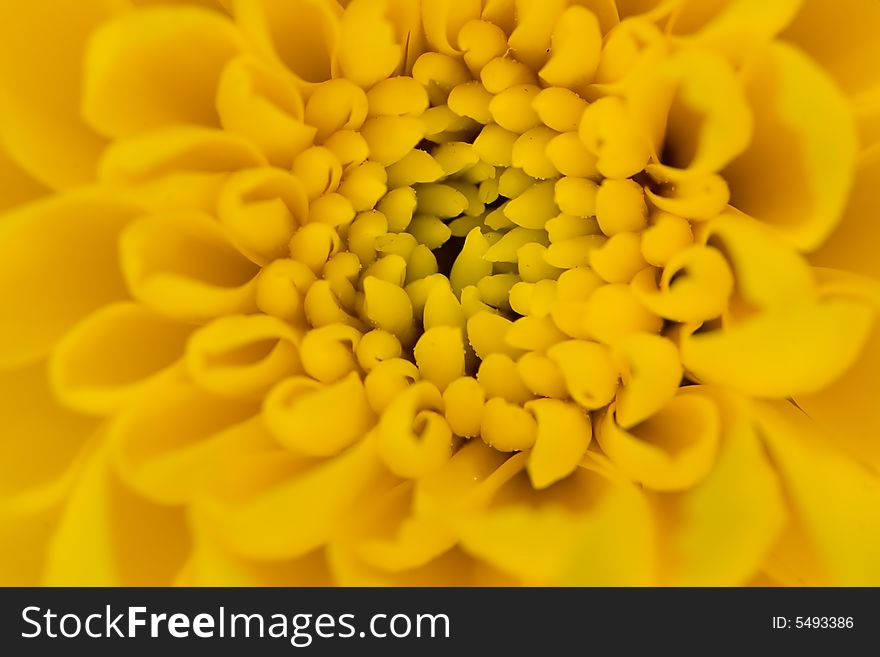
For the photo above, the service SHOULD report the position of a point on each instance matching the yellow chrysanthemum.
(440, 292)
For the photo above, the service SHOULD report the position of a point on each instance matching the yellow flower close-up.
(439, 292)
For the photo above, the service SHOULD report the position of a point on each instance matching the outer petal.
(720, 531)
(110, 356)
(255, 487)
(166, 444)
(40, 80)
(58, 262)
(798, 168)
(853, 244)
(782, 351)
(156, 67)
(302, 34)
(41, 450)
(16, 185)
(108, 536)
(592, 528)
(843, 40)
(836, 501)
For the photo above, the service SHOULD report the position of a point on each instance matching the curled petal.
(651, 376)
(212, 279)
(165, 442)
(674, 449)
(444, 19)
(176, 149)
(304, 415)
(302, 35)
(413, 438)
(563, 435)
(575, 47)
(696, 285)
(797, 171)
(388, 380)
(262, 208)
(368, 51)
(138, 75)
(742, 492)
(336, 104)
(259, 102)
(589, 371)
(782, 352)
(242, 355)
(107, 359)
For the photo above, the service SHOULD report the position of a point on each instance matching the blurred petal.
(16, 185)
(718, 533)
(156, 67)
(836, 500)
(108, 358)
(58, 262)
(40, 81)
(255, 486)
(853, 244)
(109, 536)
(842, 39)
(783, 351)
(166, 443)
(797, 171)
(301, 34)
(591, 528)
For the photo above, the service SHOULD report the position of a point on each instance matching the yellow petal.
(368, 50)
(110, 536)
(845, 409)
(254, 487)
(413, 437)
(165, 442)
(443, 20)
(563, 435)
(781, 352)
(732, 27)
(41, 80)
(721, 530)
(672, 450)
(202, 276)
(260, 102)
(843, 43)
(242, 356)
(138, 75)
(696, 285)
(210, 564)
(304, 416)
(796, 173)
(108, 358)
(39, 439)
(851, 246)
(651, 376)
(16, 185)
(262, 208)
(303, 35)
(833, 497)
(177, 149)
(589, 529)
(574, 53)
(59, 263)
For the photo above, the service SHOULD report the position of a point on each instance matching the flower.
(446, 292)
